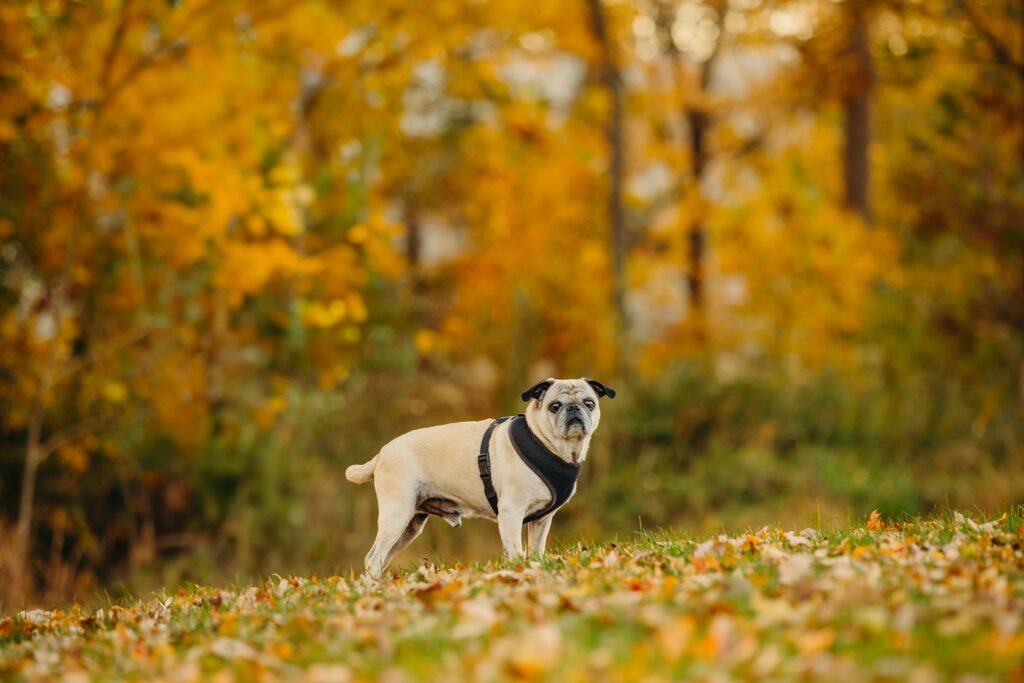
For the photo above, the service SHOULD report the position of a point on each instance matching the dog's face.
(567, 409)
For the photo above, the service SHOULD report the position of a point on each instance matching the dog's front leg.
(537, 533)
(510, 528)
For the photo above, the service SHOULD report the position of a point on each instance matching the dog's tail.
(360, 474)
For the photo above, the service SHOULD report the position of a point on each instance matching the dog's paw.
(369, 580)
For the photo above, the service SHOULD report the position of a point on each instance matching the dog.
(509, 470)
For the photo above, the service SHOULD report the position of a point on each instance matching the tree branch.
(71, 434)
(115, 45)
(1000, 49)
(115, 345)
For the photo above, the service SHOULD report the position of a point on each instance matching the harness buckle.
(484, 463)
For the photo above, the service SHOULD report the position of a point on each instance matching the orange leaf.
(875, 522)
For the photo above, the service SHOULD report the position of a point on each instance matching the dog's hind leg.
(412, 530)
(375, 564)
(396, 503)
(393, 527)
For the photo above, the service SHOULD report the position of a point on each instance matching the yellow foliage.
(202, 194)
(115, 392)
(426, 341)
(329, 314)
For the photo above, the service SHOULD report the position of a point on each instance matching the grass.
(917, 599)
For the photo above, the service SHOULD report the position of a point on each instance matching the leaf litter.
(928, 600)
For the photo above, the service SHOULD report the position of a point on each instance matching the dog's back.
(423, 442)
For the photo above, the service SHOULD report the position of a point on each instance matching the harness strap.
(558, 475)
(483, 462)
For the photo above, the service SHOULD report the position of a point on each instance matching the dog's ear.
(537, 390)
(600, 389)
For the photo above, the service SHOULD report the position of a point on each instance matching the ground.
(917, 600)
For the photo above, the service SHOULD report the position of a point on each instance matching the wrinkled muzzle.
(574, 421)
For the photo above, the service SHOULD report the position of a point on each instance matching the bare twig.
(73, 433)
(115, 345)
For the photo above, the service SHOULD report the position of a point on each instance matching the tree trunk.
(700, 122)
(413, 240)
(20, 579)
(22, 539)
(857, 117)
(612, 82)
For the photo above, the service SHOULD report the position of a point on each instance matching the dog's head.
(566, 408)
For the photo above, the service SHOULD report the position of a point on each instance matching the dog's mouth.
(575, 425)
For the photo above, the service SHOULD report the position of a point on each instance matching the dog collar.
(558, 475)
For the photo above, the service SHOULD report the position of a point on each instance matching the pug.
(514, 470)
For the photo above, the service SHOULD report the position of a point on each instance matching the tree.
(611, 79)
(857, 113)
(698, 119)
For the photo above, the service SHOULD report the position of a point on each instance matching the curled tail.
(360, 474)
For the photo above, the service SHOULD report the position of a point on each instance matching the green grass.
(915, 599)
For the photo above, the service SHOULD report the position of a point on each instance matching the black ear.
(601, 389)
(537, 390)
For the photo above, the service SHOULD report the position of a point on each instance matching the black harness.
(557, 474)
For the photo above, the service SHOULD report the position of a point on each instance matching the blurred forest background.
(244, 244)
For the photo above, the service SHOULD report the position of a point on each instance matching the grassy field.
(918, 600)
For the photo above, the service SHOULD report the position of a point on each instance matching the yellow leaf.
(74, 456)
(861, 552)
(815, 641)
(675, 637)
(537, 651)
(255, 224)
(115, 392)
(426, 341)
(358, 234)
(277, 405)
(356, 307)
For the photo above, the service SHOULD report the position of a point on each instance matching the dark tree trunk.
(612, 82)
(413, 241)
(700, 122)
(857, 118)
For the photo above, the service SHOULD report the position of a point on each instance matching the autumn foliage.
(932, 601)
(242, 244)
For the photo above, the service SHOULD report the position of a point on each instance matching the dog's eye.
(554, 407)
(589, 404)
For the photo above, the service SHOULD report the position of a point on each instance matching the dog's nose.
(572, 408)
